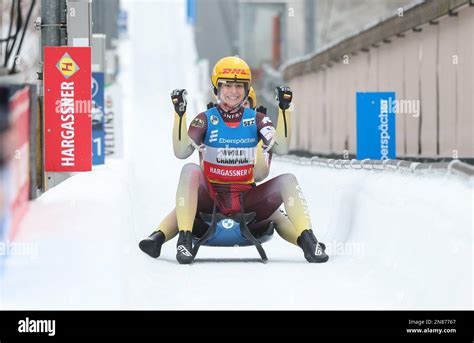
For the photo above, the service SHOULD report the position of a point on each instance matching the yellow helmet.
(231, 68)
(253, 97)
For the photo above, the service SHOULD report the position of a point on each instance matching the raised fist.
(283, 95)
(178, 98)
(261, 109)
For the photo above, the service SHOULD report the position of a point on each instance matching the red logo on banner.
(67, 108)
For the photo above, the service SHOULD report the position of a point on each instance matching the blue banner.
(122, 21)
(98, 146)
(376, 126)
(98, 119)
(191, 11)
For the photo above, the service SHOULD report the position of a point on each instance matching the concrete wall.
(337, 19)
(420, 66)
(333, 20)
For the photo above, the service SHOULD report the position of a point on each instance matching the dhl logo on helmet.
(234, 71)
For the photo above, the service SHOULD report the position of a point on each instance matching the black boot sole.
(184, 259)
(316, 259)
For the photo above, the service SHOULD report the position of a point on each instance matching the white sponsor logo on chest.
(214, 120)
(249, 122)
(213, 136)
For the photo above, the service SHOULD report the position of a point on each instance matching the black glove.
(283, 95)
(211, 105)
(178, 97)
(261, 109)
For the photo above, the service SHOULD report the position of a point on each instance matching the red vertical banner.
(19, 163)
(67, 109)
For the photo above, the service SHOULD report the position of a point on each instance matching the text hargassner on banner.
(67, 108)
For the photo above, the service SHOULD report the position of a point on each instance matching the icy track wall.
(411, 231)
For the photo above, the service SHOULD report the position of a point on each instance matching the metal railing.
(455, 167)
